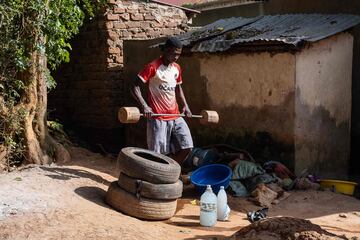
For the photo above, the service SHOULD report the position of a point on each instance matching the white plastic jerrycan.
(208, 208)
(223, 209)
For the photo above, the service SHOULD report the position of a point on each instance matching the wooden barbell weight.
(208, 116)
(132, 115)
(129, 114)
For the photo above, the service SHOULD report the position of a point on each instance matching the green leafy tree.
(34, 39)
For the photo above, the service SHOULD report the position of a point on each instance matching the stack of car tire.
(148, 185)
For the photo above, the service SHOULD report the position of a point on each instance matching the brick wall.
(91, 87)
(139, 20)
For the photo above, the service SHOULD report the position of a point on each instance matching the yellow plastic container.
(344, 187)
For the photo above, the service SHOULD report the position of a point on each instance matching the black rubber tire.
(143, 208)
(149, 190)
(155, 168)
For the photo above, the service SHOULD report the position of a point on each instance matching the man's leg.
(184, 142)
(157, 136)
(181, 155)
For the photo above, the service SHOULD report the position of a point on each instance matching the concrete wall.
(251, 91)
(323, 107)
(254, 96)
(307, 6)
(333, 6)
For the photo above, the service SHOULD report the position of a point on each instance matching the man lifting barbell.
(132, 115)
(165, 134)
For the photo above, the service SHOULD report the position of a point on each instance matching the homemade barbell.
(132, 115)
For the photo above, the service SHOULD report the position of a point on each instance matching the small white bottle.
(222, 207)
(208, 208)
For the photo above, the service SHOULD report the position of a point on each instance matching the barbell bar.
(132, 115)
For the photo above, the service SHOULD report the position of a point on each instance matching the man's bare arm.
(136, 92)
(180, 94)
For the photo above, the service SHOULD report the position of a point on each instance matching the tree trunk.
(41, 148)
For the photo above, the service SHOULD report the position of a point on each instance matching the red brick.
(125, 34)
(119, 10)
(132, 10)
(113, 35)
(110, 42)
(133, 24)
(114, 50)
(167, 31)
(152, 6)
(109, 25)
(156, 25)
(137, 17)
(125, 16)
(135, 30)
(152, 33)
(126, 3)
(142, 10)
(144, 25)
(115, 66)
(119, 25)
(172, 24)
(149, 17)
(119, 44)
(119, 59)
(112, 17)
(140, 35)
(177, 16)
(133, 6)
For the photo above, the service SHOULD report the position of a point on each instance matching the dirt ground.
(67, 202)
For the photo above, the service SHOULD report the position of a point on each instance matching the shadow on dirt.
(196, 225)
(61, 173)
(93, 194)
(190, 192)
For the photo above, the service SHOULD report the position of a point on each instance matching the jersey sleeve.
(147, 73)
(179, 78)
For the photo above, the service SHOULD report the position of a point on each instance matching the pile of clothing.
(266, 184)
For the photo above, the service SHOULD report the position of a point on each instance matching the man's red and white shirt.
(162, 81)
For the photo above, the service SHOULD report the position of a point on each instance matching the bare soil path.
(67, 202)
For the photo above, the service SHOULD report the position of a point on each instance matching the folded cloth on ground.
(252, 182)
(279, 169)
(243, 170)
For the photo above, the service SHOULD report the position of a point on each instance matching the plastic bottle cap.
(208, 188)
(221, 187)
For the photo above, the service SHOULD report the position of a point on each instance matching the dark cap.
(173, 42)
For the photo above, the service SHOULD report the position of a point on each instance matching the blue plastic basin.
(215, 175)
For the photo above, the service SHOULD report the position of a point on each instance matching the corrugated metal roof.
(290, 29)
